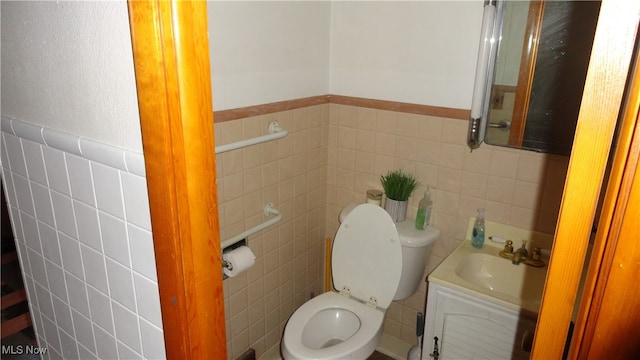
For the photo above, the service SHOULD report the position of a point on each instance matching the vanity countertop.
(483, 273)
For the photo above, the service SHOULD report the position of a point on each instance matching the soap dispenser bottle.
(424, 211)
(477, 236)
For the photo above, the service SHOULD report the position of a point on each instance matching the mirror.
(540, 66)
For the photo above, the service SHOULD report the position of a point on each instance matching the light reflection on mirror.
(539, 73)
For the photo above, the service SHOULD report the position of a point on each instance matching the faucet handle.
(535, 253)
(508, 248)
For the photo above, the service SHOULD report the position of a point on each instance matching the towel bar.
(275, 132)
(269, 209)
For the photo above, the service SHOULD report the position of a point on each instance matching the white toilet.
(373, 262)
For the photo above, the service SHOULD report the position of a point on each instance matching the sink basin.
(500, 275)
(483, 273)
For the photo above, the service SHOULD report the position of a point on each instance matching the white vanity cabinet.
(469, 327)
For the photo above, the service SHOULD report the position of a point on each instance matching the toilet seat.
(366, 260)
(360, 345)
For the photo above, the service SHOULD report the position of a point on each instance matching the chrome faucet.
(522, 255)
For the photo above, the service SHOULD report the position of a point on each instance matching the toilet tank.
(416, 248)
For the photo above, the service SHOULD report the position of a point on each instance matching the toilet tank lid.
(412, 237)
(409, 235)
(345, 211)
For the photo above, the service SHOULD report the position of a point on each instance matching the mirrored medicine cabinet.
(536, 72)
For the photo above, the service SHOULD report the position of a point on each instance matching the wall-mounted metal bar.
(275, 132)
(268, 210)
(502, 125)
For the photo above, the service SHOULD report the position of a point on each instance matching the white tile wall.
(80, 214)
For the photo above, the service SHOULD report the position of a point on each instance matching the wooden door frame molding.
(171, 58)
(604, 89)
(610, 243)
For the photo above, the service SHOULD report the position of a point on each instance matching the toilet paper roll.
(240, 259)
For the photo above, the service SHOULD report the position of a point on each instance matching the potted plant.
(398, 187)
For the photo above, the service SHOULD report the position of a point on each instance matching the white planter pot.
(396, 209)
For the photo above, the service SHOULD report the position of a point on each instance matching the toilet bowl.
(366, 265)
(332, 326)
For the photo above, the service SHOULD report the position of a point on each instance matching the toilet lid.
(367, 256)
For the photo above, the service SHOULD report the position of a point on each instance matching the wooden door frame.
(171, 58)
(603, 94)
(615, 250)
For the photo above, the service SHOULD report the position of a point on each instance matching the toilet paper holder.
(226, 264)
(241, 239)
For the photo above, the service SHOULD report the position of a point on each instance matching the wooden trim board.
(604, 88)
(176, 116)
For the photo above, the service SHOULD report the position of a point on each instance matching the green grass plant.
(398, 185)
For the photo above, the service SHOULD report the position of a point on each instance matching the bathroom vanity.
(481, 305)
(468, 327)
